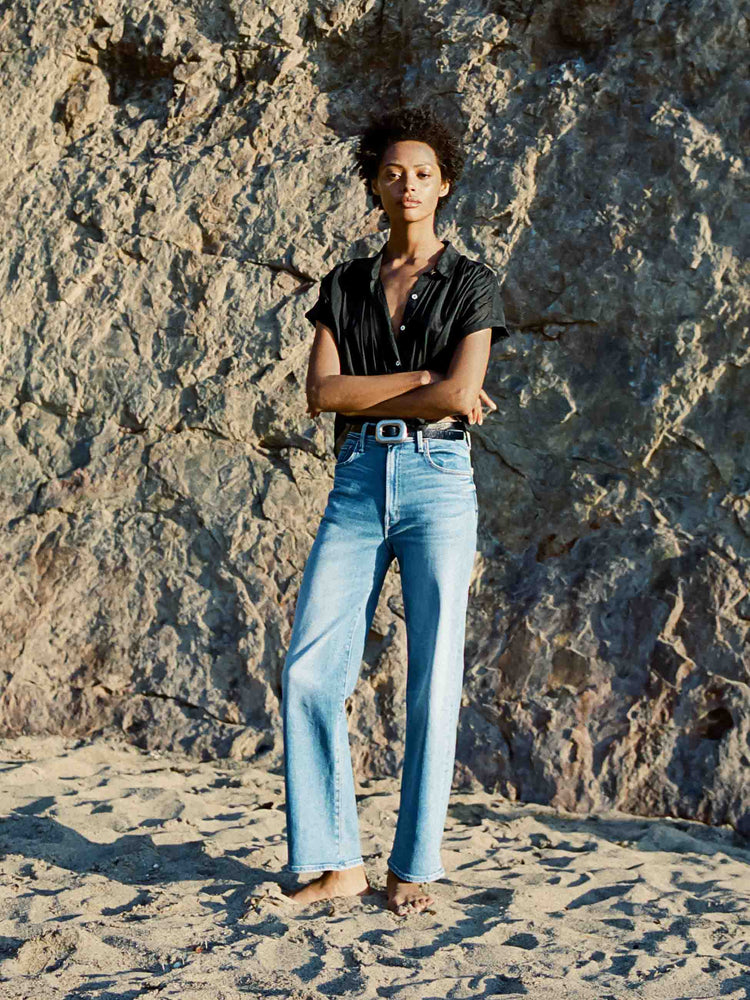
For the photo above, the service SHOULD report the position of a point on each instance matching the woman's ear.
(444, 189)
(374, 185)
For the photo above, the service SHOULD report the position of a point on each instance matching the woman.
(405, 335)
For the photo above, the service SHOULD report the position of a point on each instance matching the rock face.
(175, 180)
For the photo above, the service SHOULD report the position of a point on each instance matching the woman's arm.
(439, 399)
(456, 394)
(328, 389)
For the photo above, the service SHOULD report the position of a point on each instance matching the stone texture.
(176, 178)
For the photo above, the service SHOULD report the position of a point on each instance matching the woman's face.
(409, 181)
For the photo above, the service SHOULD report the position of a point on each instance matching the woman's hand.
(475, 414)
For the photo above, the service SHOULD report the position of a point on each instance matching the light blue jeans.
(414, 501)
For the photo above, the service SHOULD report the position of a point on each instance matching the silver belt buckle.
(396, 422)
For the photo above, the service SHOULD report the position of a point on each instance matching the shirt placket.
(416, 294)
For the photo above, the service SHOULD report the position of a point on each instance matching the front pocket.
(448, 455)
(348, 452)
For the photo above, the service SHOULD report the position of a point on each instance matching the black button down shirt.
(456, 297)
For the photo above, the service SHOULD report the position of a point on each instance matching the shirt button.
(398, 364)
(414, 295)
(402, 327)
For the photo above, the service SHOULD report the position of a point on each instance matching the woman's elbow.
(319, 394)
(313, 396)
(464, 398)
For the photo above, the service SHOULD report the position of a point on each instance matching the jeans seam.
(341, 716)
(450, 710)
(327, 865)
(423, 878)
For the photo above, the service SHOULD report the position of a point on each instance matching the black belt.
(457, 428)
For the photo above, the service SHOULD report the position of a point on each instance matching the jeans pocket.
(449, 455)
(349, 451)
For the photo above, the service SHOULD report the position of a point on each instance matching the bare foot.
(349, 882)
(406, 897)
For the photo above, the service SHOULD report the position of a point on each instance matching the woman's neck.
(413, 243)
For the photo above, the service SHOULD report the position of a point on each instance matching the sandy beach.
(128, 874)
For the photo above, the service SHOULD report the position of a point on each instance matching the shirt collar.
(443, 268)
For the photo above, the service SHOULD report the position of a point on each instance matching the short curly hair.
(418, 123)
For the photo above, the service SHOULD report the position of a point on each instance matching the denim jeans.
(414, 501)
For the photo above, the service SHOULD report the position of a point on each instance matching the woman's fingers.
(486, 399)
(475, 413)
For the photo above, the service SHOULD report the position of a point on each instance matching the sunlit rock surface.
(175, 180)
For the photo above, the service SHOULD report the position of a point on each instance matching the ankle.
(345, 873)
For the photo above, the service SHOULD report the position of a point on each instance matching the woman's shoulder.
(347, 271)
(470, 267)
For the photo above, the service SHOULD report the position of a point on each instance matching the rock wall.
(177, 177)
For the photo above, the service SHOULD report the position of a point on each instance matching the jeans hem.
(336, 866)
(406, 877)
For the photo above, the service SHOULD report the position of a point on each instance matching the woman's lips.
(411, 204)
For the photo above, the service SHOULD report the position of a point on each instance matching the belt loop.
(420, 446)
(362, 433)
(468, 438)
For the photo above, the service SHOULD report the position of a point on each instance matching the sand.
(131, 874)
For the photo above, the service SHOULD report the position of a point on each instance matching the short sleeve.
(482, 308)
(325, 307)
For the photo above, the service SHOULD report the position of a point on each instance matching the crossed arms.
(425, 394)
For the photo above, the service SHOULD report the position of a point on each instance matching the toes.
(419, 902)
(412, 904)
